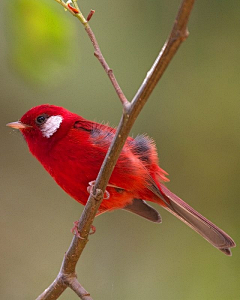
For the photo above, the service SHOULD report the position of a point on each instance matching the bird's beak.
(18, 125)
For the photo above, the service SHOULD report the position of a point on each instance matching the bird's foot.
(93, 228)
(75, 231)
(106, 194)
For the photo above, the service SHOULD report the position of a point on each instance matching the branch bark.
(67, 275)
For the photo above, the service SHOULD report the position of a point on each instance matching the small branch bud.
(90, 15)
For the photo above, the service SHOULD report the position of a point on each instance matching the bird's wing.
(100, 134)
(142, 209)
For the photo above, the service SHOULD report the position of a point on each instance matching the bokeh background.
(193, 115)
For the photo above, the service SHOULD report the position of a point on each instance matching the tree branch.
(79, 290)
(67, 276)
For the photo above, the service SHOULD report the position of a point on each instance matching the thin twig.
(97, 51)
(179, 33)
(75, 4)
(65, 6)
(79, 290)
(54, 290)
(99, 56)
(60, 284)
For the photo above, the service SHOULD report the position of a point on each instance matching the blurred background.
(193, 114)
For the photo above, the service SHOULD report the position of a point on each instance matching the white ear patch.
(51, 126)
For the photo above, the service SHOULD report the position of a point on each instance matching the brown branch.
(178, 34)
(97, 50)
(67, 276)
(78, 289)
(60, 284)
(71, 257)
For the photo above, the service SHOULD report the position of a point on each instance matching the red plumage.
(72, 150)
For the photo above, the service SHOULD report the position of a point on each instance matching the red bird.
(72, 150)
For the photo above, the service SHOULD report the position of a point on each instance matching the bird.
(72, 150)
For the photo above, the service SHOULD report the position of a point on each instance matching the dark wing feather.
(100, 134)
(141, 208)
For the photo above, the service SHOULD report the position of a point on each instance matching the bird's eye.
(41, 119)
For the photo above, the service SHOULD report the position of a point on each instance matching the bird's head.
(44, 124)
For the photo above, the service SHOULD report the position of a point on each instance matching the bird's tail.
(214, 235)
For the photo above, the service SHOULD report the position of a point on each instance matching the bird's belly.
(75, 168)
(75, 182)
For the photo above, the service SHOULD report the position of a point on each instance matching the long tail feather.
(214, 235)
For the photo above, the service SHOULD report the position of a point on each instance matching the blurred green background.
(193, 114)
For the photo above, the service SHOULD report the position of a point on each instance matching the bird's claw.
(93, 228)
(75, 231)
(106, 194)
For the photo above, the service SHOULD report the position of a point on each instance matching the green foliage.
(40, 39)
